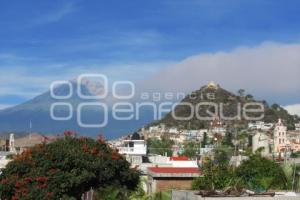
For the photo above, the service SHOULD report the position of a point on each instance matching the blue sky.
(41, 41)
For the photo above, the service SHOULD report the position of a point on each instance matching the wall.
(165, 184)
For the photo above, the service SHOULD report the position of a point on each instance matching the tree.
(135, 136)
(160, 147)
(65, 169)
(260, 174)
(241, 92)
(204, 141)
(222, 158)
(217, 174)
(190, 149)
(228, 139)
(249, 97)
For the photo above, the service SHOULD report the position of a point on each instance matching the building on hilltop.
(281, 144)
(212, 85)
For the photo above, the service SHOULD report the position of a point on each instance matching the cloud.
(27, 82)
(269, 69)
(293, 109)
(56, 15)
(3, 106)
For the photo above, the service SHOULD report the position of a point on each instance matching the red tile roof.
(175, 170)
(180, 158)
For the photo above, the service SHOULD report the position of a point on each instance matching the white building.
(154, 129)
(134, 150)
(194, 134)
(261, 140)
(158, 128)
(3, 159)
(297, 126)
(175, 161)
(280, 139)
(259, 125)
(173, 130)
(133, 147)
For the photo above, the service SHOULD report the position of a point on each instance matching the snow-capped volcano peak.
(93, 86)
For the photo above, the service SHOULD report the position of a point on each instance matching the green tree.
(222, 158)
(249, 97)
(241, 92)
(228, 139)
(204, 141)
(217, 174)
(65, 169)
(260, 174)
(160, 147)
(190, 149)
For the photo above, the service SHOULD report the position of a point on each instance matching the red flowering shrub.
(65, 169)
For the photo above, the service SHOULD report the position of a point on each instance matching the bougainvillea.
(65, 169)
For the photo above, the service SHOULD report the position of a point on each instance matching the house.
(174, 161)
(134, 150)
(4, 160)
(159, 128)
(133, 147)
(297, 126)
(164, 178)
(294, 140)
(4, 145)
(259, 125)
(182, 161)
(154, 129)
(295, 146)
(173, 130)
(8, 148)
(194, 134)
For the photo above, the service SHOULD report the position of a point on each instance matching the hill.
(226, 103)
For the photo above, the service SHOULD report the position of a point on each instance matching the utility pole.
(235, 148)
(294, 174)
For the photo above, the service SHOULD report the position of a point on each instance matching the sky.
(146, 41)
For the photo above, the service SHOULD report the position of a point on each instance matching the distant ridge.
(36, 113)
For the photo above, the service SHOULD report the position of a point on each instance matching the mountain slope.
(229, 102)
(34, 115)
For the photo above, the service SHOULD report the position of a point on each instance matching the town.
(150, 100)
(177, 160)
